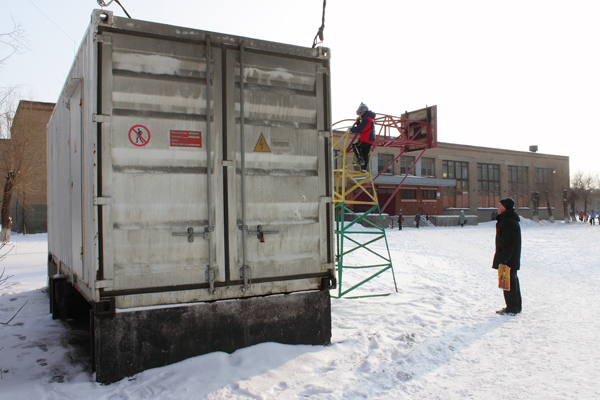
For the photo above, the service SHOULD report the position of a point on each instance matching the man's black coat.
(508, 240)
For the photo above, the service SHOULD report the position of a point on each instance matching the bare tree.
(583, 186)
(12, 42)
(22, 156)
(549, 185)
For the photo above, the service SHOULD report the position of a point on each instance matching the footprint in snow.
(313, 389)
(404, 376)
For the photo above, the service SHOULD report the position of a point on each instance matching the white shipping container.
(187, 167)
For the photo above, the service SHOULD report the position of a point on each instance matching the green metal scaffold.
(348, 182)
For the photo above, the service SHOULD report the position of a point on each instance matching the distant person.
(364, 125)
(417, 220)
(508, 252)
(400, 219)
(593, 218)
(461, 218)
(494, 213)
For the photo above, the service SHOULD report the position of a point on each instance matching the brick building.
(27, 146)
(455, 177)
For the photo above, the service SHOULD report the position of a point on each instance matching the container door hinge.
(190, 233)
(326, 199)
(102, 118)
(210, 278)
(104, 284)
(245, 276)
(324, 134)
(102, 201)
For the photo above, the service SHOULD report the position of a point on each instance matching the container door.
(162, 236)
(282, 202)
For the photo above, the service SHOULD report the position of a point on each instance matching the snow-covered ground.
(438, 338)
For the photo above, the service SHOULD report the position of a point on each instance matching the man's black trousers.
(512, 297)
(361, 151)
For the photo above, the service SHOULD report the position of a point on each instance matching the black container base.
(126, 343)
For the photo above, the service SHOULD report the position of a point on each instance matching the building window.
(385, 191)
(428, 167)
(408, 194)
(543, 179)
(406, 163)
(428, 194)
(383, 160)
(518, 185)
(456, 196)
(488, 185)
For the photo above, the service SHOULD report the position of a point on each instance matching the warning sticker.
(139, 135)
(186, 139)
(262, 145)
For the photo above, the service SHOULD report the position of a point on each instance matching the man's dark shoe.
(506, 311)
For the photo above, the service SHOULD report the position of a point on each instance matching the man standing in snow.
(364, 125)
(461, 218)
(508, 252)
(400, 219)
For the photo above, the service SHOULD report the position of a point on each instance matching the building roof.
(496, 150)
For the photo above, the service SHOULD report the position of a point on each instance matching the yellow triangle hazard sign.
(262, 145)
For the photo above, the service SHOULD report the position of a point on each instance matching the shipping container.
(190, 193)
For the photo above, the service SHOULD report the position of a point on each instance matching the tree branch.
(15, 40)
(13, 317)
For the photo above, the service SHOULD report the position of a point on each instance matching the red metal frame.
(402, 133)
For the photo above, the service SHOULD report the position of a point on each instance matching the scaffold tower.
(414, 131)
(349, 181)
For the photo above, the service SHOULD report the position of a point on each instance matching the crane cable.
(102, 3)
(320, 31)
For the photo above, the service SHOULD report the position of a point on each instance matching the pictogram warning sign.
(262, 145)
(139, 135)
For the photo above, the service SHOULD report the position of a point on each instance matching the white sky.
(503, 74)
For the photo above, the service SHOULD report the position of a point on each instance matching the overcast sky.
(504, 74)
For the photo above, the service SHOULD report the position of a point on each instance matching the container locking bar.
(260, 234)
(190, 233)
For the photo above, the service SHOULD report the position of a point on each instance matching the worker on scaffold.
(365, 125)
